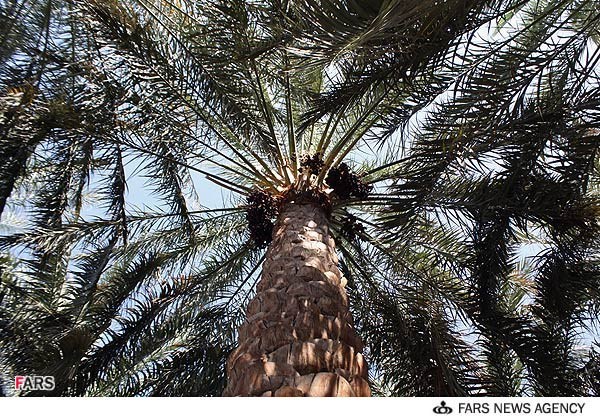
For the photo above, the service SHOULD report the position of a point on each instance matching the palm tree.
(386, 167)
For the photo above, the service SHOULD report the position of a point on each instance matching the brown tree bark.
(298, 338)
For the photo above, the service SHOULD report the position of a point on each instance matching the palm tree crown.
(452, 146)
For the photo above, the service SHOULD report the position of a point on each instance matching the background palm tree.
(437, 143)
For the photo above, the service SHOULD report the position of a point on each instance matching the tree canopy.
(472, 253)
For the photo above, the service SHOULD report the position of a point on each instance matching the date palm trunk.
(298, 337)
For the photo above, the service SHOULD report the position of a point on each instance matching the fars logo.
(442, 409)
(34, 382)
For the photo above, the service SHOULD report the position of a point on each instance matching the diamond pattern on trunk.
(298, 338)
